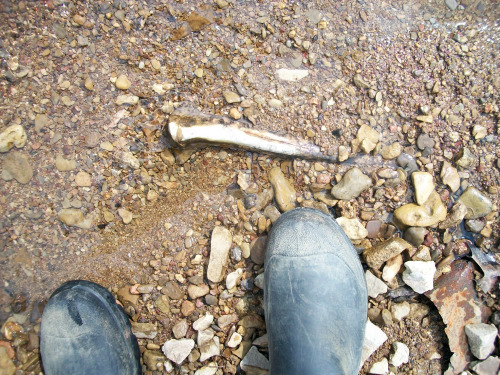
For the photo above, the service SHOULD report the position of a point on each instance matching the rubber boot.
(315, 296)
(84, 331)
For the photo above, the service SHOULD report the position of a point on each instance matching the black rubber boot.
(315, 297)
(84, 331)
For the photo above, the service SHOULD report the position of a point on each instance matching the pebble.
(380, 368)
(353, 183)
(210, 349)
(127, 99)
(234, 340)
(65, 165)
(407, 162)
(352, 228)
(178, 350)
(479, 132)
(423, 184)
(219, 252)
(254, 360)
(343, 153)
(82, 41)
(128, 160)
(275, 103)
(89, 84)
(203, 323)
(374, 285)
(425, 141)
(204, 336)
(173, 291)
(377, 255)
(126, 215)
(455, 216)
(292, 75)
(231, 97)
(374, 338)
(180, 329)
(187, 308)
(144, 330)
(477, 203)
(415, 235)
(487, 367)
(392, 151)
(233, 278)
(16, 165)
(400, 310)
(359, 82)
(272, 213)
(392, 267)
(474, 226)
(197, 291)
(212, 367)
(419, 275)
(481, 338)
(41, 121)
(465, 159)
(83, 179)
(153, 359)
(450, 176)
(14, 135)
(451, 4)
(401, 354)
(7, 366)
(413, 215)
(234, 113)
(284, 193)
(367, 138)
(122, 82)
(74, 217)
(162, 304)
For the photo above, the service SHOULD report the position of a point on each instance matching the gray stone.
(477, 203)
(204, 336)
(374, 285)
(452, 4)
(254, 359)
(419, 275)
(18, 167)
(210, 349)
(424, 140)
(487, 367)
(178, 350)
(481, 338)
(415, 235)
(173, 291)
(374, 338)
(219, 252)
(401, 354)
(407, 162)
(475, 226)
(352, 184)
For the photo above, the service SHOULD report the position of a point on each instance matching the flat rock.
(360, 82)
(477, 203)
(204, 336)
(180, 329)
(450, 176)
(367, 133)
(41, 121)
(210, 349)
(374, 285)
(258, 249)
(292, 75)
(144, 330)
(219, 251)
(481, 338)
(451, 4)
(352, 184)
(455, 297)
(231, 97)
(419, 275)
(203, 323)
(13, 135)
(65, 165)
(162, 303)
(126, 215)
(178, 350)
(17, 166)
(380, 368)
(173, 291)
(377, 255)
(374, 338)
(430, 213)
(128, 160)
(352, 228)
(400, 355)
(254, 360)
(226, 320)
(127, 99)
(284, 193)
(209, 369)
(73, 217)
(424, 141)
(423, 183)
(487, 367)
(197, 291)
(187, 308)
(153, 359)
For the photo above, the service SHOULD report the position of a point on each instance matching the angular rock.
(455, 297)
(401, 354)
(180, 329)
(197, 291)
(200, 19)
(209, 369)
(233, 278)
(415, 235)
(7, 366)
(14, 135)
(258, 249)
(163, 304)
(284, 193)
(226, 320)
(254, 360)
(487, 367)
(400, 310)
(419, 275)
(424, 141)
(41, 121)
(73, 217)
(292, 75)
(210, 349)
(203, 323)
(450, 176)
(359, 82)
(455, 216)
(377, 255)
(352, 228)
(353, 183)
(380, 368)
(205, 336)
(374, 285)
(451, 4)
(18, 167)
(465, 159)
(367, 138)
(430, 213)
(481, 338)
(128, 160)
(477, 203)
(126, 215)
(392, 267)
(219, 251)
(374, 338)
(178, 350)
(144, 330)
(173, 291)
(187, 308)
(423, 184)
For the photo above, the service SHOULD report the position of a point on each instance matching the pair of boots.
(315, 309)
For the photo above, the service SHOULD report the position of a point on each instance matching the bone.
(188, 126)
